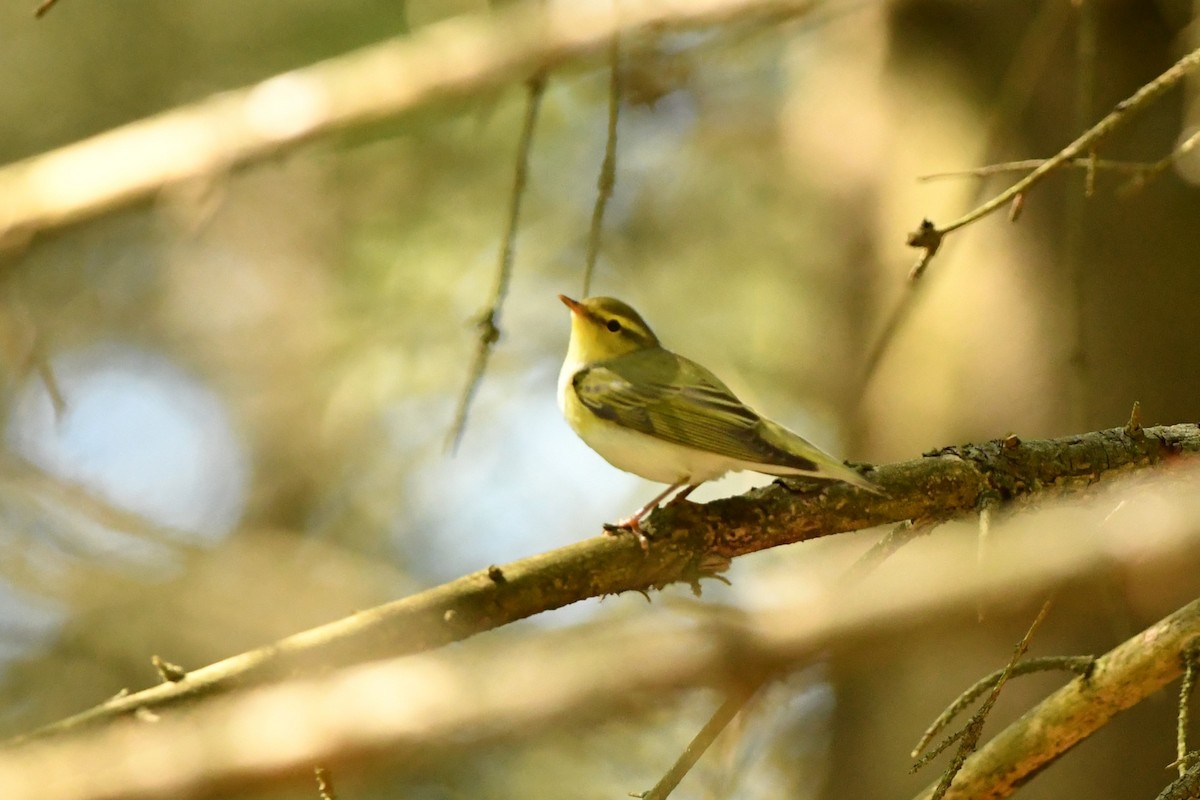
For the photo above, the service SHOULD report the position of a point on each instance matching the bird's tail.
(827, 466)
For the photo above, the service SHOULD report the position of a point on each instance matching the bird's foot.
(630, 525)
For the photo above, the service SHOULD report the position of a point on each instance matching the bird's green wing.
(667, 396)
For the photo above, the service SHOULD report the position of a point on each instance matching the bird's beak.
(575, 306)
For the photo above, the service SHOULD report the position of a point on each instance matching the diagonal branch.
(689, 542)
(445, 61)
(928, 237)
(1119, 680)
(410, 712)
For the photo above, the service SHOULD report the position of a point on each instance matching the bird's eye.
(613, 325)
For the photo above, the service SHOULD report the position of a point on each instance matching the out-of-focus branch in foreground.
(689, 542)
(445, 61)
(413, 710)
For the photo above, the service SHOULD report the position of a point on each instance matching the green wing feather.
(667, 396)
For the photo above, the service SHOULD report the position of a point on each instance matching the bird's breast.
(633, 451)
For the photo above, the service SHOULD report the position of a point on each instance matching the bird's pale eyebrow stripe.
(629, 328)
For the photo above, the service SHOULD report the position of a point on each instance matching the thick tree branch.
(445, 61)
(689, 542)
(412, 711)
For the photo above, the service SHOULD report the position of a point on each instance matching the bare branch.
(1121, 678)
(1082, 146)
(1029, 164)
(1187, 686)
(1080, 665)
(688, 542)
(406, 710)
(444, 61)
(1074, 218)
(1025, 71)
(488, 322)
(733, 704)
(324, 784)
(973, 730)
(608, 168)
(44, 7)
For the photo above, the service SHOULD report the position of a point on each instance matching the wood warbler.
(659, 415)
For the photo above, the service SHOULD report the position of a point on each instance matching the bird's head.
(604, 328)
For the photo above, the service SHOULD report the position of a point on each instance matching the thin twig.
(985, 528)
(488, 322)
(1187, 686)
(1080, 665)
(1101, 164)
(1134, 426)
(987, 509)
(735, 701)
(974, 728)
(1152, 171)
(45, 6)
(457, 58)
(1082, 145)
(1027, 65)
(1074, 220)
(53, 389)
(167, 671)
(608, 167)
(892, 541)
(900, 313)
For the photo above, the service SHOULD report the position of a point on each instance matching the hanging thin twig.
(608, 167)
(1075, 219)
(488, 322)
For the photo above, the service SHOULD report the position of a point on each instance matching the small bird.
(659, 415)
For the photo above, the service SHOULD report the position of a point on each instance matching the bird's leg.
(633, 523)
(683, 495)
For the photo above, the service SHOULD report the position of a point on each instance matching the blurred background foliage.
(259, 373)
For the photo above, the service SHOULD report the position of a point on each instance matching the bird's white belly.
(651, 457)
(647, 456)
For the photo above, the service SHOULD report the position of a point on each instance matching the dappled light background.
(226, 412)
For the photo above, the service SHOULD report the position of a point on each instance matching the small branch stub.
(168, 672)
(1017, 206)
(1133, 427)
(928, 238)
